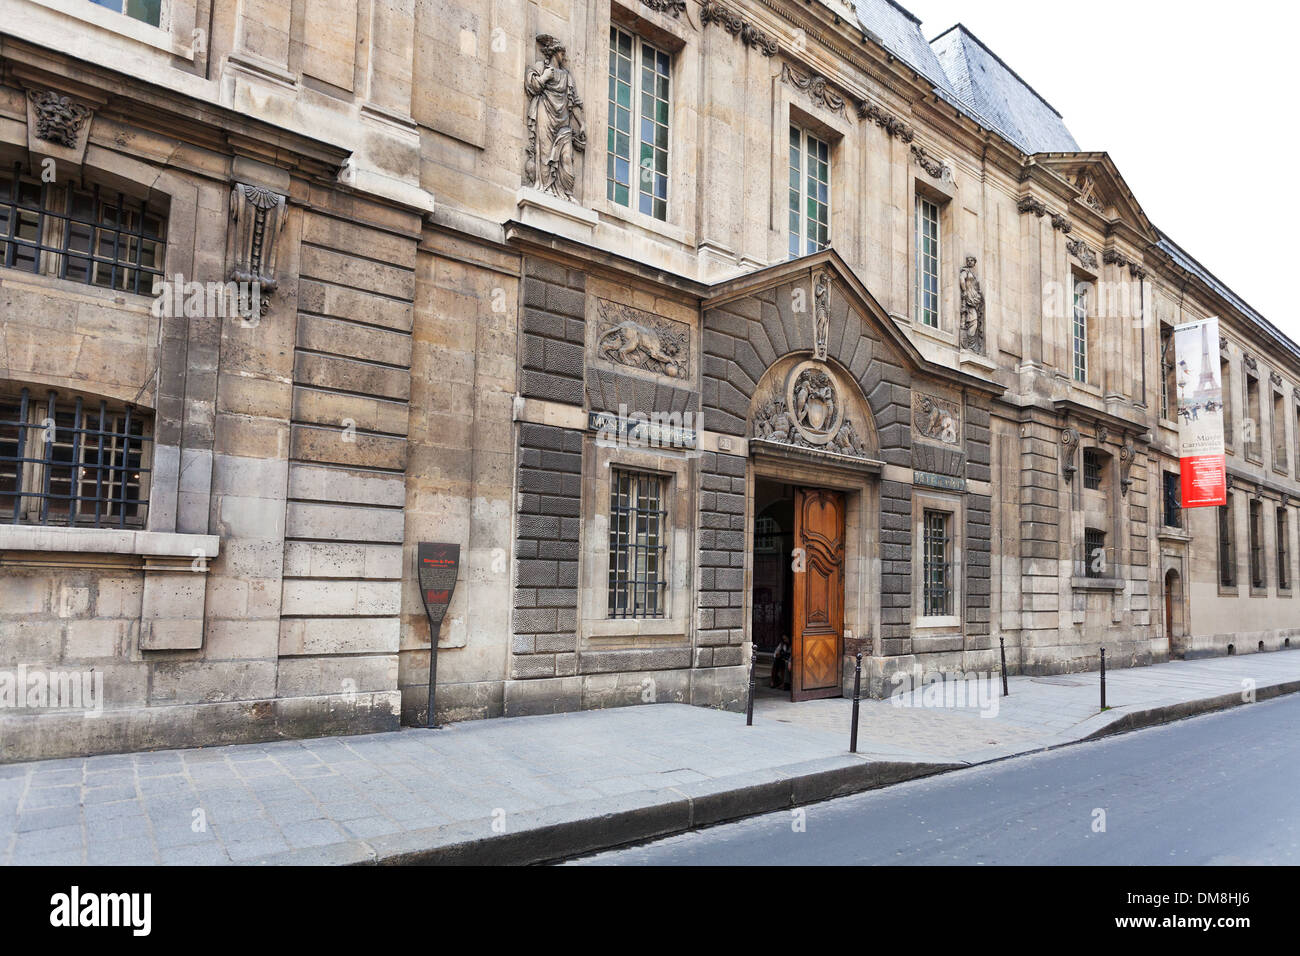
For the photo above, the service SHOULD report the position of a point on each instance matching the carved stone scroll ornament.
(673, 8)
(930, 164)
(1113, 257)
(1028, 204)
(711, 12)
(810, 415)
(1069, 453)
(936, 419)
(555, 125)
(890, 124)
(58, 119)
(821, 314)
(817, 88)
(1062, 224)
(1083, 252)
(256, 219)
(1127, 453)
(972, 308)
(643, 341)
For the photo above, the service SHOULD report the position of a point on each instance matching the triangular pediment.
(1100, 188)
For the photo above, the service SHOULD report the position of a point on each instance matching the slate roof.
(994, 91)
(1183, 259)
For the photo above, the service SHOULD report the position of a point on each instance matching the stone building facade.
(639, 302)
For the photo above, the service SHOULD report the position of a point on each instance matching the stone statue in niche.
(555, 125)
(972, 308)
(822, 314)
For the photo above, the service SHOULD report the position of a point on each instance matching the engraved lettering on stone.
(555, 128)
(643, 341)
(58, 119)
(936, 419)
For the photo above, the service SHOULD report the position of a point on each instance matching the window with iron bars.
(1227, 546)
(937, 596)
(1257, 545)
(89, 235)
(72, 461)
(638, 546)
(1168, 382)
(1283, 551)
(1093, 463)
(1094, 553)
(1173, 500)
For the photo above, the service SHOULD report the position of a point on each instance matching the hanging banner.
(1200, 415)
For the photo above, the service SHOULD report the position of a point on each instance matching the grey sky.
(1193, 101)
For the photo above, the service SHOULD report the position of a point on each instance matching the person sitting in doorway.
(781, 665)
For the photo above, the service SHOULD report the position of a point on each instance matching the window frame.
(943, 590)
(1079, 322)
(798, 243)
(1254, 407)
(634, 575)
(122, 6)
(1282, 546)
(635, 185)
(922, 223)
(28, 502)
(1094, 539)
(1227, 540)
(1255, 530)
(1172, 499)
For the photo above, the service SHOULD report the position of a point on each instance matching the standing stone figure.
(972, 308)
(555, 126)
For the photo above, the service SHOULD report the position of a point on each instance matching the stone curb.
(576, 829)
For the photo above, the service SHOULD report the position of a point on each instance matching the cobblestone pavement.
(251, 802)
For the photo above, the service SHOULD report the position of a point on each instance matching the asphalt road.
(1221, 789)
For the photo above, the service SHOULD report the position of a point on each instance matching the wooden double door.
(817, 644)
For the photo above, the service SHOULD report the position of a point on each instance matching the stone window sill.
(121, 24)
(1097, 584)
(1167, 533)
(142, 544)
(650, 627)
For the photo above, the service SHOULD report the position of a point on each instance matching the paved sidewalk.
(533, 789)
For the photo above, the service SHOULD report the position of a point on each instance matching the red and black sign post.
(437, 565)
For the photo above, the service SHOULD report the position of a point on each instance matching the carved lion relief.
(936, 419)
(640, 340)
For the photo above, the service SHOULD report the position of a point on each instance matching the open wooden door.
(818, 639)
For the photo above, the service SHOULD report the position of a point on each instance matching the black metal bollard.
(1103, 678)
(1002, 643)
(857, 696)
(749, 707)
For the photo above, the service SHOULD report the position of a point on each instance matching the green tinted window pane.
(146, 11)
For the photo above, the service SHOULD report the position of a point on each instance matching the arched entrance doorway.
(1174, 614)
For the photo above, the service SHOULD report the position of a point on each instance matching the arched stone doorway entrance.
(1174, 631)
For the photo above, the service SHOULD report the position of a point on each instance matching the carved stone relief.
(58, 118)
(257, 217)
(640, 340)
(1127, 453)
(1069, 453)
(1275, 379)
(936, 419)
(930, 164)
(821, 314)
(749, 35)
(972, 308)
(1028, 204)
(555, 126)
(816, 87)
(809, 412)
(890, 124)
(673, 8)
(1083, 252)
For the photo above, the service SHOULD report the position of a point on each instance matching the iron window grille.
(810, 193)
(1173, 500)
(73, 463)
(1093, 463)
(1168, 383)
(927, 262)
(92, 236)
(1227, 547)
(1257, 546)
(937, 577)
(638, 547)
(1283, 552)
(1094, 553)
(637, 130)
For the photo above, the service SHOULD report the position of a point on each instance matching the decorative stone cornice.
(711, 12)
(890, 124)
(817, 87)
(58, 118)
